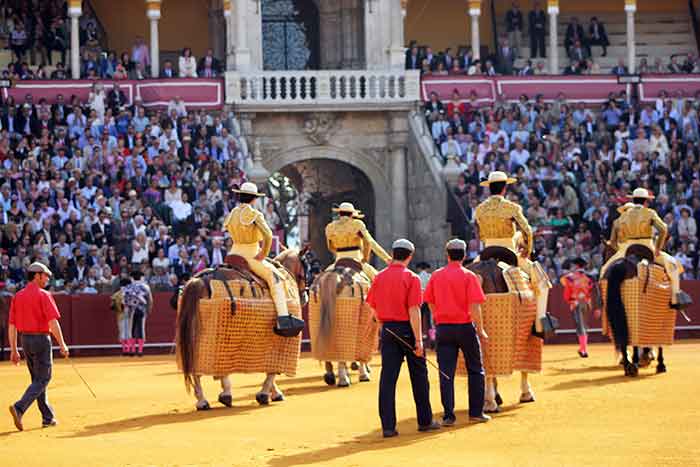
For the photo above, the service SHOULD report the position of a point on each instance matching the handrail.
(694, 19)
(104, 38)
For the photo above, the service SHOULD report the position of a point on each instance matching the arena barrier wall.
(199, 93)
(90, 328)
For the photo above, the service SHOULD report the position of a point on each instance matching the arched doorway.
(291, 37)
(323, 184)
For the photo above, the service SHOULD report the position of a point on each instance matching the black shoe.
(449, 421)
(226, 400)
(390, 433)
(582, 354)
(289, 326)
(435, 425)
(17, 417)
(50, 423)
(483, 418)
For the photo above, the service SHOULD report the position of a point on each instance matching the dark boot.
(289, 326)
(683, 300)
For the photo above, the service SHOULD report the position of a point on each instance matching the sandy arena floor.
(587, 413)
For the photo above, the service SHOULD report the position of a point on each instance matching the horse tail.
(186, 328)
(328, 289)
(615, 308)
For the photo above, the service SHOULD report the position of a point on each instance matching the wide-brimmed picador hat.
(248, 188)
(498, 176)
(347, 208)
(641, 193)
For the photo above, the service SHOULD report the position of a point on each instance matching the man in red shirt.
(578, 293)
(34, 314)
(455, 296)
(395, 297)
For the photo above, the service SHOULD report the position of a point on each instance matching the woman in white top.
(173, 194)
(161, 261)
(658, 142)
(96, 101)
(187, 64)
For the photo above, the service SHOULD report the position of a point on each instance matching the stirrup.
(288, 326)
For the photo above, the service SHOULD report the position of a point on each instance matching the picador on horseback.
(641, 284)
(340, 321)
(509, 274)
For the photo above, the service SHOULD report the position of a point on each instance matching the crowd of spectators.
(95, 189)
(575, 165)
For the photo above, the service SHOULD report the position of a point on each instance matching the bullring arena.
(587, 413)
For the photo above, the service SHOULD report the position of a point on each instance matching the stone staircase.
(657, 36)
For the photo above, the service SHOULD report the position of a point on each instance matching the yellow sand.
(586, 413)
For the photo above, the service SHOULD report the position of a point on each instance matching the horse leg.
(225, 397)
(364, 372)
(263, 396)
(630, 368)
(498, 398)
(354, 366)
(277, 394)
(526, 394)
(202, 403)
(647, 357)
(490, 405)
(661, 366)
(343, 376)
(329, 377)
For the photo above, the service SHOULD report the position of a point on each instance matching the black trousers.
(393, 353)
(537, 45)
(451, 338)
(37, 351)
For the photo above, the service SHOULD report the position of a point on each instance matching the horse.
(617, 273)
(199, 288)
(338, 294)
(491, 268)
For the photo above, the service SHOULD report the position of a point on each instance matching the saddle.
(641, 252)
(349, 263)
(634, 254)
(499, 253)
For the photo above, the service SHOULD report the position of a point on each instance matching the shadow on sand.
(619, 378)
(373, 441)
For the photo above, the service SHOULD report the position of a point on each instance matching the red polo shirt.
(451, 290)
(393, 292)
(32, 309)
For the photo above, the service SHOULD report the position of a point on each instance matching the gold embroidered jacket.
(498, 217)
(637, 223)
(346, 232)
(246, 224)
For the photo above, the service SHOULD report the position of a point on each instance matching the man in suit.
(574, 32)
(139, 181)
(572, 69)
(674, 67)
(537, 21)
(620, 69)
(527, 70)
(217, 252)
(597, 36)
(514, 26)
(102, 229)
(431, 58)
(116, 99)
(413, 59)
(209, 66)
(168, 71)
(506, 57)
(25, 122)
(578, 52)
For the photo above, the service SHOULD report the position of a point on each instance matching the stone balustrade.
(338, 89)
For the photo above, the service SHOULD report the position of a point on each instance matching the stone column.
(153, 15)
(399, 192)
(475, 13)
(553, 10)
(228, 46)
(241, 50)
(397, 51)
(75, 10)
(630, 9)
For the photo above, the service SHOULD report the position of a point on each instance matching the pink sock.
(130, 345)
(123, 343)
(140, 342)
(583, 344)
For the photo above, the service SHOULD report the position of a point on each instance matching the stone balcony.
(323, 90)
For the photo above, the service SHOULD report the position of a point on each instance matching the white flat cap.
(456, 244)
(39, 267)
(403, 243)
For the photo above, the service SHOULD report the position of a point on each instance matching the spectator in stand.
(514, 27)
(413, 58)
(537, 20)
(168, 71)
(19, 41)
(506, 57)
(574, 32)
(620, 69)
(140, 54)
(138, 72)
(597, 36)
(55, 38)
(691, 64)
(573, 68)
(578, 52)
(187, 64)
(674, 67)
(209, 66)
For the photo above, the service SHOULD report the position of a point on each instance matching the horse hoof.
(661, 368)
(364, 378)
(329, 378)
(262, 398)
(527, 398)
(344, 383)
(203, 407)
(278, 397)
(631, 370)
(226, 400)
(499, 399)
(491, 407)
(354, 366)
